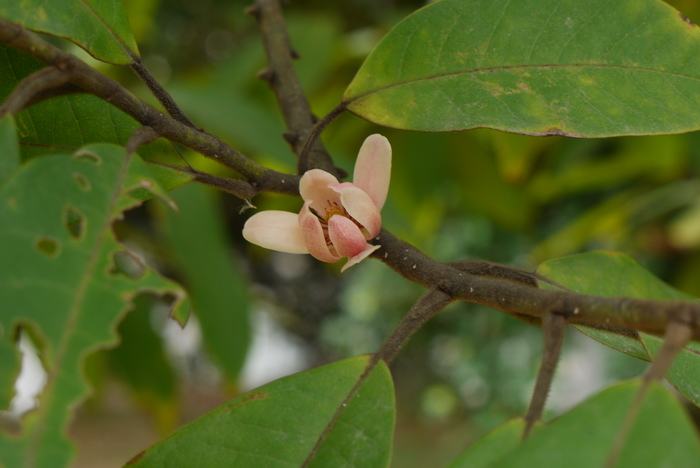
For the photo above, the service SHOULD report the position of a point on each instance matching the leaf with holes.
(538, 67)
(662, 434)
(613, 274)
(277, 425)
(66, 278)
(196, 239)
(100, 27)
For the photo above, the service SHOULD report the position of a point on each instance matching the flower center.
(334, 208)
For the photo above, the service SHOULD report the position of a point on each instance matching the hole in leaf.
(82, 182)
(75, 222)
(48, 246)
(84, 155)
(32, 378)
(128, 264)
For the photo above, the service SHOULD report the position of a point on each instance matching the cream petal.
(313, 236)
(314, 187)
(360, 206)
(373, 168)
(359, 257)
(275, 230)
(346, 237)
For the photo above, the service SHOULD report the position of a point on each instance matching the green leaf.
(196, 238)
(68, 283)
(537, 67)
(613, 274)
(662, 434)
(278, 424)
(100, 27)
(8, 142)
(492, 447)
(140, 362)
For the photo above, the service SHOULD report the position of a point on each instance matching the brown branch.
(615, 313)
(432, 302)
(91, 81)
(553, 330)
(285, 83)
(160, 93)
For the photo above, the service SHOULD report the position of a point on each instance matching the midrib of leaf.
(116, 36)
(74, 312)
(500, 68)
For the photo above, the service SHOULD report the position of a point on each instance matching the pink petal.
(373, 168)
(359, 257)
(314, 187)
(346, 237)
(313, 236)
(360, 206)
(275, 230)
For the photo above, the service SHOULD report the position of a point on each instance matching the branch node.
(267, 75)
(293, 138)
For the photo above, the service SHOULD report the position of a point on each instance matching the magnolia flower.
(337, 219)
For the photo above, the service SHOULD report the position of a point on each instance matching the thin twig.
(432, 302)
(29, 90)
(553, 330)
(283, 80)
(160, 93)
(312, 140)
(91, 81)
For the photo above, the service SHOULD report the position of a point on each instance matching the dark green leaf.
(662, 434)
(541, 67)
(98, 26)
(63, 283)
(196, 237)
(278, 424)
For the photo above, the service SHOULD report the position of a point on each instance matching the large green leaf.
(589, 69)
(64, 277)
(196, 238)
(278, 424)
(583, 437)
(99, 26)
(662, 435)
(613, 274)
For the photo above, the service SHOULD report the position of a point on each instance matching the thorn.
(293, 52)
(266, 74)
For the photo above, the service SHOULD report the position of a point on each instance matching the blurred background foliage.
(257, 315)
